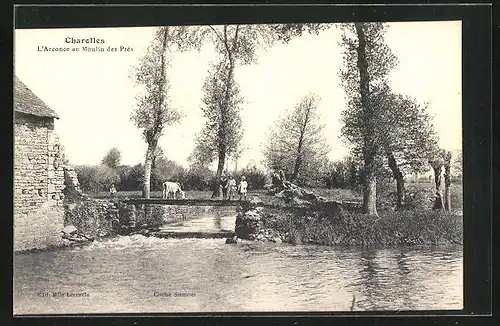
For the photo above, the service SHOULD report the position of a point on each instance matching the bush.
(96, 178)
(256, 178)
(342, 174)
(197, 178)
(131, 178)
(165, 170)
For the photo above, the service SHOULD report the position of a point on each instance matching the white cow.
(171, 189)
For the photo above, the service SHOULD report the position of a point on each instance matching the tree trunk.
(370, 191)
(447, 184)
(220, 169)
(222, 127)
(400, 182)
(370, 149)
(438, 203)
(147, 172)
(154, 133)
(296, 169)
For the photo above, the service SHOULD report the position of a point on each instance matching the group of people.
(228, 187)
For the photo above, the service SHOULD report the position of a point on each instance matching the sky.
(94, 96)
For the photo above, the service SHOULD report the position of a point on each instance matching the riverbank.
(354, 229)
(304, 216)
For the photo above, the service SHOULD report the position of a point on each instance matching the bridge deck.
(183, 202)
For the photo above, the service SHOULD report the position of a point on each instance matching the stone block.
(51, 189)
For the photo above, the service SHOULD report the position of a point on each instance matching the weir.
(182, 202)
(139, 210)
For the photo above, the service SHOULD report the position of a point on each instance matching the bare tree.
(296, 143)
(154, 111)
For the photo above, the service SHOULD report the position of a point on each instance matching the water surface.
(136, 274)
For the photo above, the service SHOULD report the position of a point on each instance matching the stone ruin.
(72, 188)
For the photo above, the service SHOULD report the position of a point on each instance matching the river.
(137, 274)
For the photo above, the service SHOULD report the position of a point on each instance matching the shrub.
(256, 178)
(131, 178)
(96, 178)
(342, 174)
(197, 178)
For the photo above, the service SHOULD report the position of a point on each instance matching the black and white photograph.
(277, 167)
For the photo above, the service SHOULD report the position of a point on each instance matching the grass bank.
(355, 229)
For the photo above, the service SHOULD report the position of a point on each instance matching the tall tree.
(367, 62)
(237, 44)
(405, 135)
(154, 111)
(112, 158)
(296, 144)
(222, 132)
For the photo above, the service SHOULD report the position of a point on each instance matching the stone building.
(38, 173)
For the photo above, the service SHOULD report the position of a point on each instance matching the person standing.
(231, 187)
(243, 188)
(112, 190)
(224, 185)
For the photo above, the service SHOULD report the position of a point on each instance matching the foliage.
(404, 129)
(343, 173)
(165, 170)
(236, 45)
(255, 177)
(96, 178)
(357, 119)
(296, 143)
(154, 111)
(457, 165)
(112, 158)
(222, 132)
(197, 178)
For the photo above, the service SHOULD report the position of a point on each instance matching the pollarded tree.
(440, 159)
(154, 111)
(405, 135)
(367, 62)
(296, 144)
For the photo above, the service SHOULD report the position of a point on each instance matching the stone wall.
(97, 218)
(38, 183)
(72, 188)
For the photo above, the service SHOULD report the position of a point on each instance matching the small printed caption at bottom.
(63, 294)
(174, 294)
